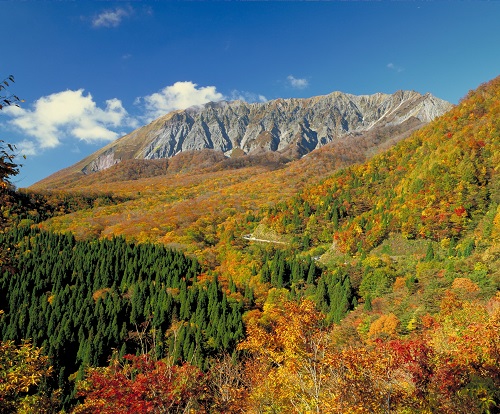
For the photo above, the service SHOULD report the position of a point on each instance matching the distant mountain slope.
(295, 126)
(292, 127)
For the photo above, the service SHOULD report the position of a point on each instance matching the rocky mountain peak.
(293, 126)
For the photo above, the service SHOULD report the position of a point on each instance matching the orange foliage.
(296, 365)
(385, 326)
(464, 283)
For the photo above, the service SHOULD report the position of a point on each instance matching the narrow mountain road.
(251, 238)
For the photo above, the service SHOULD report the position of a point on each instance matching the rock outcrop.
(293, 127)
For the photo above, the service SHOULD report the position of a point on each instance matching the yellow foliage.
(22, 368)
(289, 346)
(465, 284)
(373, 262)
(495, 232)
(386, 325)
(101, 293)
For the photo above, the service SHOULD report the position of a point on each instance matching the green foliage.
(378, 277)
(82, 299)
(331, 290)
(429, 255)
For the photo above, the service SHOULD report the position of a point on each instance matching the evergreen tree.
(429, 255)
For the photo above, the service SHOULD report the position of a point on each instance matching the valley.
(361, 274)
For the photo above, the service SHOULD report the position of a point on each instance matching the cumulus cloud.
(68, 114)
(297, 83)
(74, 115)
(392, 66)
(111, 18)
(249, 97)
(180, 95)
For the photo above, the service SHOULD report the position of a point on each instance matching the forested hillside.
(437, 184)
(81, 300)
(363, 282)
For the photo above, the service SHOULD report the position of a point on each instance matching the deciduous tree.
(140, 384)
(22, 370)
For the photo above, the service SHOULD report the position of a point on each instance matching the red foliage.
(460, 211)
(141, 385)
(415, 356)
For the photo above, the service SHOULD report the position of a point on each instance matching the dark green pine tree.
(249, 294)
(265, 274)
(429, 255)
(311, 273)
(321, 296)
(368, 303)
(339, 300)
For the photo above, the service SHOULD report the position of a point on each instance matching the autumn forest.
(361, 278)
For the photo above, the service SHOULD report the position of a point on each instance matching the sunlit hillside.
(438, 184)
(362, 278)
(197, 200)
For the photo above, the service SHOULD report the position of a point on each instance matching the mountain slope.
(415, 322)
(292, 127)
(436, 184)
(184, 200)
(286, 125)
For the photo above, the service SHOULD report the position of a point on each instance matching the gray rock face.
(102, 162)
(294, 127)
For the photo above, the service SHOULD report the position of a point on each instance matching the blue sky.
(90, 72)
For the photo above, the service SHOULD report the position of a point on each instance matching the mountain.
(354, 279)
(434, 184)
(291, 127)
(437, 184)
(295, 126)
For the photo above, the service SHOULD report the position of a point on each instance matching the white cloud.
(26, 147)
(74, 115)
(297, 83)
(68, 114)
(111, 18)
(249, 97)
(392, 66)
(180, 95)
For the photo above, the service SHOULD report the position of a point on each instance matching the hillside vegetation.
(200, 199)
(437, 184)
(376, 291)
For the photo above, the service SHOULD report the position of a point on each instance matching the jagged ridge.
(293, 127)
